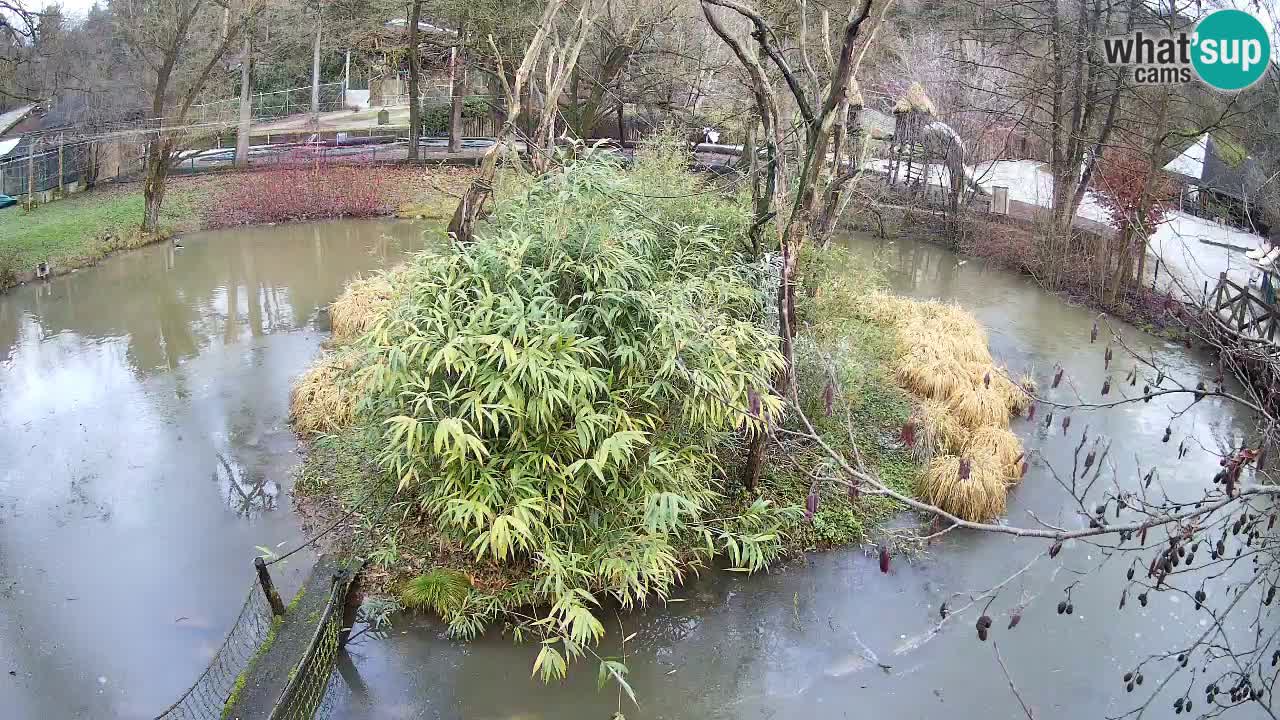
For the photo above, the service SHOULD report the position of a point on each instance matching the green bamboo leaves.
(556, 393)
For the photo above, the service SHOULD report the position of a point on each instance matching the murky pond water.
(809, 639)
(144, 453)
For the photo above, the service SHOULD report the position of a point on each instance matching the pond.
(146, 453)
(143, 409)
(829, 636)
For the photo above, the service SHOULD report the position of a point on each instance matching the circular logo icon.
(1232, 49)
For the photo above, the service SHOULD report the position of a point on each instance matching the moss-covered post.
(268, 587)
(350, 610)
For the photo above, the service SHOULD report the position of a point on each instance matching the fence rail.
(1246, 312)
(309, 679)
(206, 699)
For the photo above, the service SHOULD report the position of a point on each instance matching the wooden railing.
(1247, 312)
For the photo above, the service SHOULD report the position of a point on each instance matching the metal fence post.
(268, 587)
(62, 183)
(31, 174)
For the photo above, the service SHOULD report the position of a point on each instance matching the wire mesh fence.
(271, 105)
(45, 169)
(206, 698)
(310, 679)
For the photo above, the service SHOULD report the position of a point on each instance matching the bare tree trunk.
(458, 83)
(462, 225)
(557, 77)
(246, 103)
(415, 71)
(153, 188)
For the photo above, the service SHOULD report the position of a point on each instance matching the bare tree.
(559, 64)
(457, 87)
(180, 44)
(315, 64)
(415, 78)
(823, 114)
(245, 119)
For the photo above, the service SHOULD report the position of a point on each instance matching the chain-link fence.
(47, 168)
(206, 699)
(309, 679)
(271, 105)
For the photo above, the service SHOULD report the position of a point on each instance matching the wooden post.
(62, 183)
(268, 587)
(350, 609)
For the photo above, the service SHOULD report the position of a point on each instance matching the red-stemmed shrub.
(302, 191)
(1134, 194)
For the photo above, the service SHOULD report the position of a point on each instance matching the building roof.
(13, 117)
(1213, 165)
(423, 26)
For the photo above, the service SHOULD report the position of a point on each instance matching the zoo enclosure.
(272, 105)
(44, 170)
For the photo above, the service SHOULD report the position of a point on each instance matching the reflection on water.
(146, 453)
(829, 636)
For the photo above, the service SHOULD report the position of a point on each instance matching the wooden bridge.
(1244, 310)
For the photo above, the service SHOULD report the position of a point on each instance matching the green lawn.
(82, 229)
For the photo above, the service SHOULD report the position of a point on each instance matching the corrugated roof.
(7, 146)
(13, 117)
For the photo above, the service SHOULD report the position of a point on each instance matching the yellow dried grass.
(978, 498)
(932, 378)
(1002, 446)
(937, 430)
(1015, 398)
(359, 308)
(324, 399)
(959, 346)
(979, 406)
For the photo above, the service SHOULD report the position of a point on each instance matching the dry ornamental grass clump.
(359, 308)
(324, 398)
(971, 486)
(965, 405)
(937, 432)
(1002, 445)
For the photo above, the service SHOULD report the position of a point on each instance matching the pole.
(315, 69)
(62, 183)
(350, 609)
(346, 72)
(268, 587)
(31, 174)
(245, 120)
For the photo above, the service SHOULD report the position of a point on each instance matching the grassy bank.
(83, 229)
